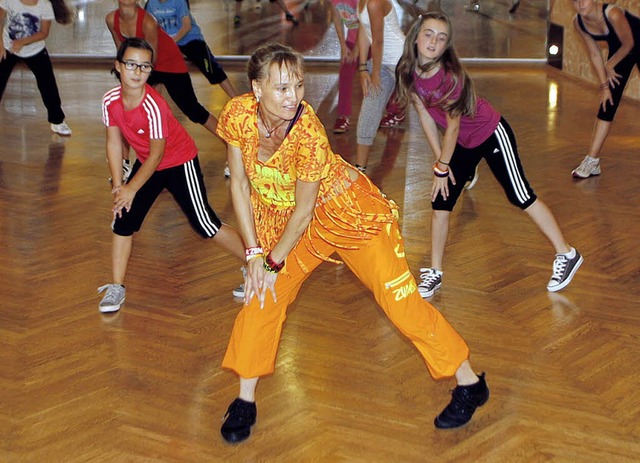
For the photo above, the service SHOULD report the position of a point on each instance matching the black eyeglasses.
(132, 65)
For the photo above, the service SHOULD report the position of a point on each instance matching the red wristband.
(271, 266)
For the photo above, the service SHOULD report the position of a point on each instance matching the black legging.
(181, 91)
(40, 65)
(623, 68)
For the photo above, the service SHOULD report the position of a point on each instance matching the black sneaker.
(564, 269)
(236, 424)
(431, 280)
(464, 401)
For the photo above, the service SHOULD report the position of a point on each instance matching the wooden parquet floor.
(146, 385)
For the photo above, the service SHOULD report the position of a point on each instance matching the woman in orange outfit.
(297, 203)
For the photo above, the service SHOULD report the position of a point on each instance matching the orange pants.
(379, 263)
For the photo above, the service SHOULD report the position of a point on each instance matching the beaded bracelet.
(440, 173)
(271, 266)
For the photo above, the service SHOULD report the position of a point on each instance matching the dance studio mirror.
(484, 28)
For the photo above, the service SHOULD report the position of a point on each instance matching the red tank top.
(169, 57)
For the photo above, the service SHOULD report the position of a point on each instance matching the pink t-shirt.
(473, 130)
(152, 119)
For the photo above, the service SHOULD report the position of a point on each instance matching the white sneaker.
(61, 129)
(589, 167)
(227, 172)
(127, 167)
(472, 181)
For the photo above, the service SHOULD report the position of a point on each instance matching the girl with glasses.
(167, 158)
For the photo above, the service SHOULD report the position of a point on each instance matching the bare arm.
(150, 32)
(363, 46)
(377, 10)
(124, 195)
(42, 34)
(184, 30)
(622, 28)
(449, 140)
(337, 23)
(240, 196)
(3, 52)
(110, 20)
(428, 126)
(594, 52)
(306, 197)
(258, 279)
(114, 155)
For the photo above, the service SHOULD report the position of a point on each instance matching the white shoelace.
(429, 278)
(559, 266)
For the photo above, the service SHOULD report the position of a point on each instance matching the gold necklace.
(269, 131)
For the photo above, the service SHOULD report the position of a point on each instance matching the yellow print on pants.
(405, 289)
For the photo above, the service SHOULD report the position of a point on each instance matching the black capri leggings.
(199, 54)
(623, 68)
(180, 89)
(186, 185)
(501, 153)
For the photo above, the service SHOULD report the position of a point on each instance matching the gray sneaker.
(113, 299)
(431, 280)
(589, 167)
(239, 291)
(564, 269)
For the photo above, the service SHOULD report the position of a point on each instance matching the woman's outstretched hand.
(258, 281)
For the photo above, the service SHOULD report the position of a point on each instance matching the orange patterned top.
(305, 154)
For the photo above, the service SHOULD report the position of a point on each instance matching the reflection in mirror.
(484, 28)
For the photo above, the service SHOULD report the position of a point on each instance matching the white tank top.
(393, 41)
